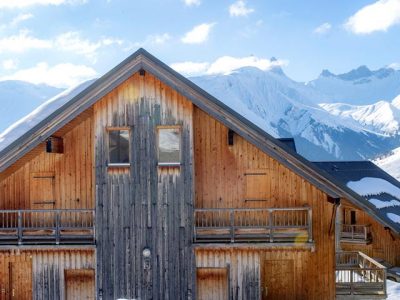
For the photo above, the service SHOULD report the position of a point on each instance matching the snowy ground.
(393, 290)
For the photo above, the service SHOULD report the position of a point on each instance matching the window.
(169, 146)
(257, 185)
(118, 144)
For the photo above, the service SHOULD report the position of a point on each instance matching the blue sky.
(62, 42)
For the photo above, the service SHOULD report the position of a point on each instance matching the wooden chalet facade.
(143, 186)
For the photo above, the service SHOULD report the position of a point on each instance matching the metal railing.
(253, 224)
(358, 274)
(356, 233)
(47, 226)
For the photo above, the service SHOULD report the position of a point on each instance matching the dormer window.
(169, 146)
(118, 147)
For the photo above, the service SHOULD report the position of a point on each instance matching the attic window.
(169, 146)
(118, 147)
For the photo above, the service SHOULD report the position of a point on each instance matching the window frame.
(118, 128)
(169, 164)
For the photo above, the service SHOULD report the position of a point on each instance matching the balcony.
(358, 234)
(47, 227)
(267, 225)
(359, 277)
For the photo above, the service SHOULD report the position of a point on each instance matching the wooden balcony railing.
(46, 227)
(356, 233)
(232, 225)
(359, 275)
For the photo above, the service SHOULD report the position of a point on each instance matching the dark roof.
(141, 59)
(289, 142)
(353, 171)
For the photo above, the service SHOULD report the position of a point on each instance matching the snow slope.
(40, 113)
(285, 108)
(22, 95)
(360, 86)
(390, 163)
(381, 117)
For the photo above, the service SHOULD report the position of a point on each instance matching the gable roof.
(289, 142)
(141, 59)
(374, 185)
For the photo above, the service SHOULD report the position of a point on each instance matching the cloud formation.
(60, 75)
(239, 9)
(192, 2)
(20, 18)
(323, 28)
(69, 41)
(226, 65)
(10, 4)
(199, 34)
(378, 16)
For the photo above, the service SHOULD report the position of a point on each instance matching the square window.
(169, 146)
(118, 145)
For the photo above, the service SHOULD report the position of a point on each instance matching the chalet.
(144, 186)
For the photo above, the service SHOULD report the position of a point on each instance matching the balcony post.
(19, 230)
(310, 237)
(271, 226)
(57, 227)
(231, 218)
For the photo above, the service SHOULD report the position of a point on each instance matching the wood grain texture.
(41, 273)
(221, 181)
(72, 172)
(144, 206)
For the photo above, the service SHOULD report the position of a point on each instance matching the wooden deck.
(357, 234)
(47, 227)
(235, 225)
(358, 275)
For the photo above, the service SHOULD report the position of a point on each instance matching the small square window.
(169, 146)
(118, 145)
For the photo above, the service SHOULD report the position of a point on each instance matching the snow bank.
(374, 186)
(393, 290)
(382, 204)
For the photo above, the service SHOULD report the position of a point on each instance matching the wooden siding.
(47, 280)
(220, 181)
(246, 272)
(72, 186)
(144, 206)
(384, 244)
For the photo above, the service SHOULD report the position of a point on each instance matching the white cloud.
(60, 75)
(22, 42)
(9, 64)
(20, 18)
(199, 34)
(192, 2)
(323, 28)
(157, 39)
(69, 41)
(27, 3)
(190, 68)
(239, 9)
(226, 65)
(72, 42)
(379, 16)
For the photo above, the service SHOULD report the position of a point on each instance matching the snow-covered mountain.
(360, 86)
(381, 117)
(18, 98)
(285, 108)
(390, 163)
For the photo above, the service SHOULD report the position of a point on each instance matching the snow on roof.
(23, 125)
(374, 186)
(383, 204)
(394, 217)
